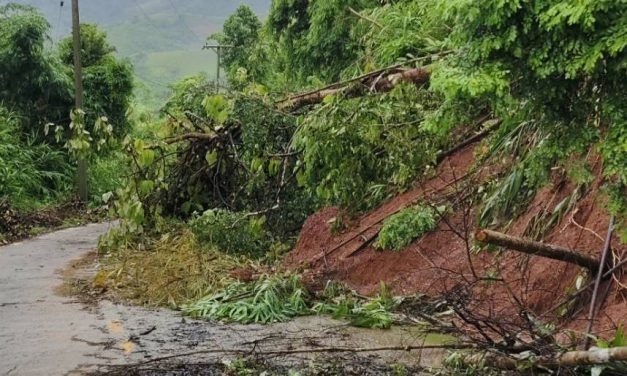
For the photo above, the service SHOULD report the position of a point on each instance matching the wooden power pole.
(218, 49)
(78, 88)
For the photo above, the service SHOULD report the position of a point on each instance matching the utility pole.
(218, 49)
(78, 88)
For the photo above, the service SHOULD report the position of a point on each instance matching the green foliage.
(241, 32)
(375, 313)
(403, 30)
(30, 174)
(231, 232)
(108, 81)
(247, 170)
(619, 340)
(278, 298)
(316, 35)
(401, 229)
(107, 174)
(270, 299)
(81, 143)
(32, 82)
(94, 47)
(357, 152)
(560, 65)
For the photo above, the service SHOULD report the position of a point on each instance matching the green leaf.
(146, 186)
(217, 108)
(211, 157)
(146, 157)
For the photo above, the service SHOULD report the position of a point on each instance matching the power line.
(146, 16)
(180, 16)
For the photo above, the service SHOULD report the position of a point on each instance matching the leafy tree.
(553, 70)
(108, 81)
(241, 33)
(32, 82)
(94, 47)
(317, 34)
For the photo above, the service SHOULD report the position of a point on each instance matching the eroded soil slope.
(443, 259)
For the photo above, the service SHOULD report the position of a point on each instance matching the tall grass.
(31, 174)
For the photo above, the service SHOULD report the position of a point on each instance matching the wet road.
(43, 332)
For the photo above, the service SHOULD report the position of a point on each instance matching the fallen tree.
(537, 249)
(380, 82)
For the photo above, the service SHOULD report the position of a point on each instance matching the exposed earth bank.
(446, 258)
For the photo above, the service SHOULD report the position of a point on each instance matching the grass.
(171, 272)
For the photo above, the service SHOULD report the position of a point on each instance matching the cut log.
(376, 84)
(537, 249)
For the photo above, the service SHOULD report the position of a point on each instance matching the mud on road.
(46, 329)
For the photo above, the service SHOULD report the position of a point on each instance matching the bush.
(403, 228)
(107, 174)
(29, 172)
(231, 232)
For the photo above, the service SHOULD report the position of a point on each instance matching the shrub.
(107, 174)
(401, 229)
(232, 232)
(29, 172)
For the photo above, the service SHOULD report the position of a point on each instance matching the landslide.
(444, 261)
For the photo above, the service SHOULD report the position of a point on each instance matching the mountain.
(162, 38)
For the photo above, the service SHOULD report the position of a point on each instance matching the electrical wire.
(146, 16)
(180, 16)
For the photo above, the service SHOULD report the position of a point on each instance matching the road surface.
(43, 332)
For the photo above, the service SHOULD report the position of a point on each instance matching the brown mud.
(439, 262)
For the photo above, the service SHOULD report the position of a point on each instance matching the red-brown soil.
(440, 261)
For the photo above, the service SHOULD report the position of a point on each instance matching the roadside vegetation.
(213, 193)
(38, 148)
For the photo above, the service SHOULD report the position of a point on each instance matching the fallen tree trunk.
(537, 249)
(594, 356)
(375, 84)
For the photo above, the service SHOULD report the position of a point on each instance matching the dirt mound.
(446, 258)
